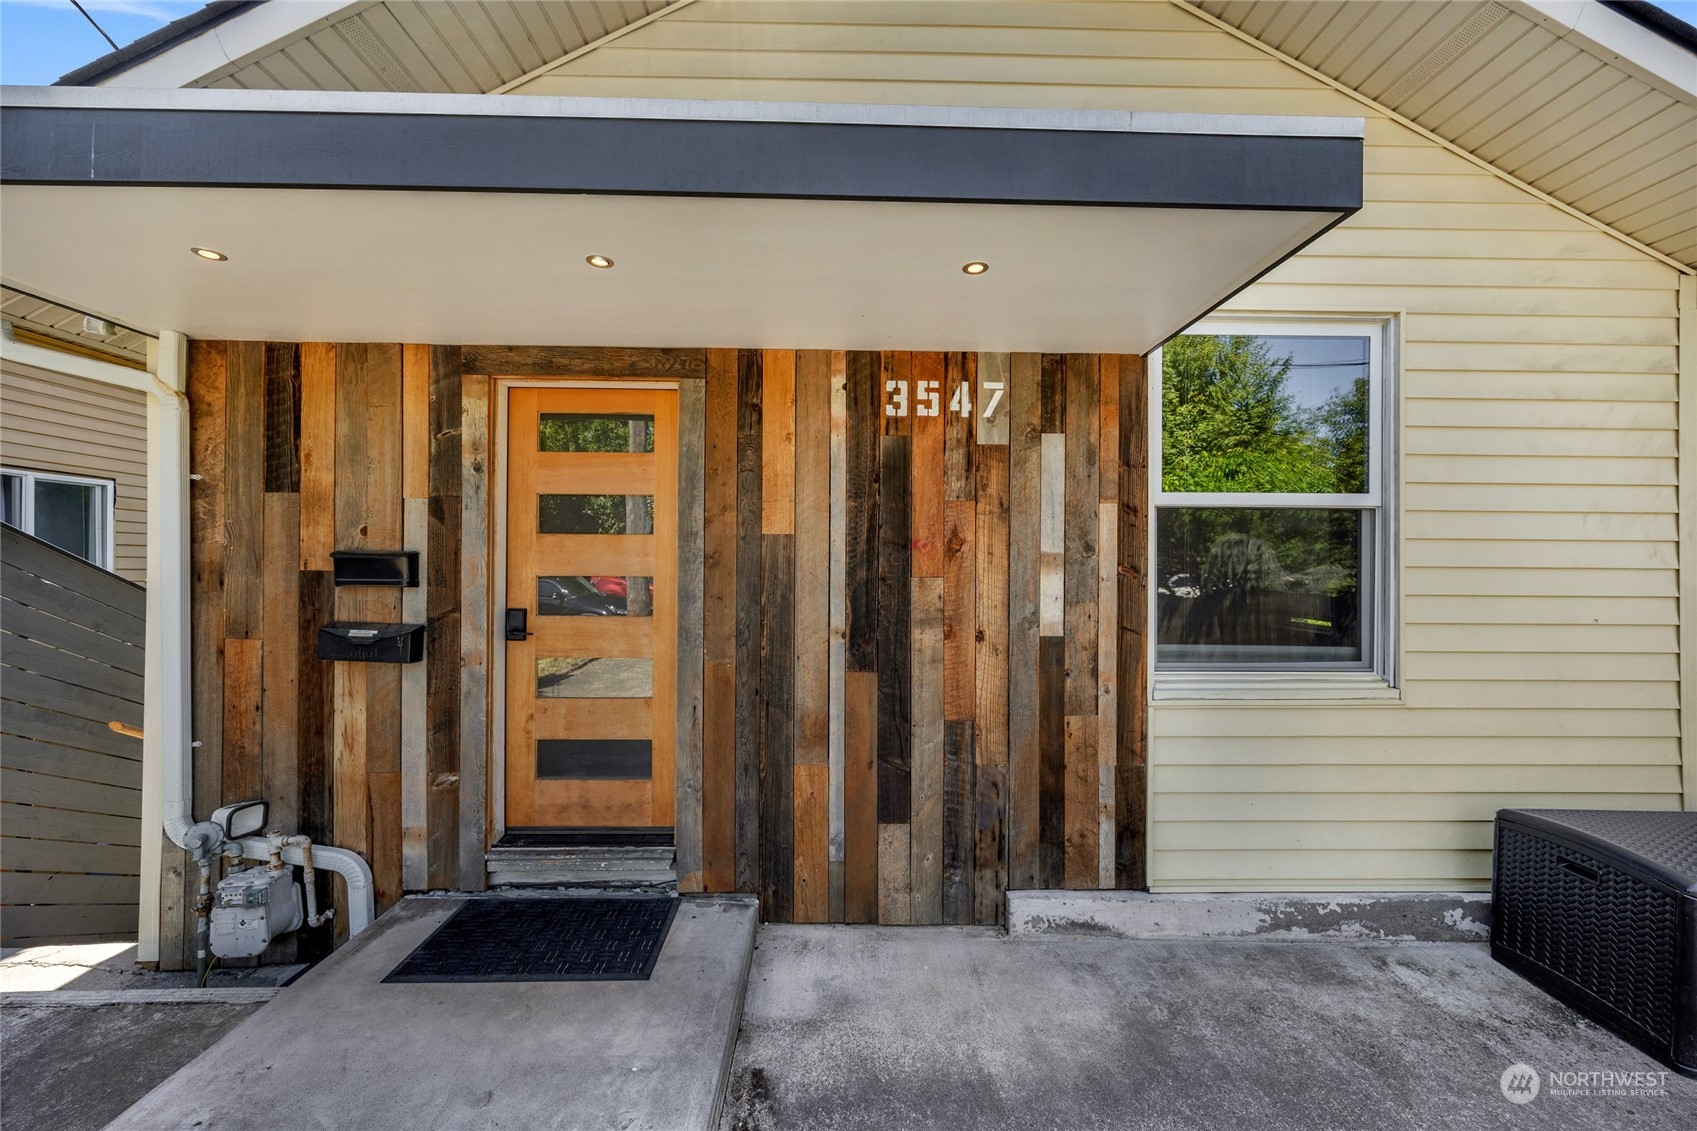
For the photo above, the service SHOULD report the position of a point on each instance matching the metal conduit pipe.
(362, 900)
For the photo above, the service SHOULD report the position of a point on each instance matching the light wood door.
(592, 521)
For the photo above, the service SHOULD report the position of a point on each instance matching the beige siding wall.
(1539, 610)
(54, 422)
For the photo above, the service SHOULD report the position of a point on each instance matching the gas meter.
(253, 906)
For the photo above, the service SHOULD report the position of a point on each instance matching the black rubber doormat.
(590, 939)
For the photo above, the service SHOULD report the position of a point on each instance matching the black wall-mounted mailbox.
(398, 568)
(367, 643)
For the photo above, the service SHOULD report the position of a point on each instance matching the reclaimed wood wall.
(919, 686)
(914, 641)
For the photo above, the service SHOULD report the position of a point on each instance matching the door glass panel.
(595, 514)
(603, 759)
(558, 595)
(596, 432)
(594, 677)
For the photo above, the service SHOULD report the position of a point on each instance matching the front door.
(592, 520)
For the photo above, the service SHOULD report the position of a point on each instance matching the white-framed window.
(72, 512)
(1274, 475)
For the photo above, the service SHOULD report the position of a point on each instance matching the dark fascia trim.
(677, 157)
(156, 42)
(1665, 24)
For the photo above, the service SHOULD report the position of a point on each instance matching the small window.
(67, 511)
(1271, 542)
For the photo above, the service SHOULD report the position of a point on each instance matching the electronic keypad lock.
(518, 624)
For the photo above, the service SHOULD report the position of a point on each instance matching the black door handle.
(518, 621)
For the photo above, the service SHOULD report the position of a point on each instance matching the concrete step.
(340, 1048)
(648, 866)
(1386, 916)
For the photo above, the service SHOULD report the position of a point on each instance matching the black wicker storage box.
(1599, 907)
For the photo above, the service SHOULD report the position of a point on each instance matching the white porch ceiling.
(482, 268)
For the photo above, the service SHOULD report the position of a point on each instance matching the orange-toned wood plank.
(594, 718)
(208, 375)
(590, 555)
(318, 454)
(664, 799)
(777, 442)
(1108, 474)
(860, 797)
(384, 804)
(812, 865)
(593, 473)
(415, 421)
(351, 823)
(244, 735)
(1081, 815)
(930, 402)
(616, 804)
(960, 612)
(244, 483)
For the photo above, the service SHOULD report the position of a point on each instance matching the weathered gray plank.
(474, 627)
(22, 652)
(1025, 464)
(31, 555)
(692, 471)
(44, 823)
(38, 757)
(31, 722)
(582, 361)
(25, 788)
(68, 888)
(69, 637)
(25, 855)
(39, 593)
(51, 924)
(96, 707)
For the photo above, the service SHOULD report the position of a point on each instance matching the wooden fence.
(71, 640)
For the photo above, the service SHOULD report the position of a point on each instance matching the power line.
(97, 27)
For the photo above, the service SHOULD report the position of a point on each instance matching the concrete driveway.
(957, 1027)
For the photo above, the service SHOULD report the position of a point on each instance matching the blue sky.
(43, 39)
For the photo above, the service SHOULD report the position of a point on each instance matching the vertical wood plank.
(812, 522)
(960, 833)
(315, 741)
(1025, 477)
(777, 734)
(206, 651)
(318, 454)
(414, 718)
(992, 390)
(894, 576)
(349, 803)
(1051, 726)
(895, 899)
(442, 609)
(895, 389)
(1082, 864)
(860, 797)
(719, 625)
(1052, 532)
(926, 819)
(1108, 616)
(282, 417)
(960, 443)
(837, 662)
(244, 734)
(927, 464)
(1082, 517)
(244, 482)
(445, 409)
(474, 629)
(990, 716)
(282, 661)
(1054, 392)
(1131, 776)
(383, 803)
(208, 368)
(862, 428)
(415, 421)
(812, 892)
(692, 453)
(960, 611)
(749, 575)
(777, 433)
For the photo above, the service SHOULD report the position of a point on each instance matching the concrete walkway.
(956, 1027)
(339, 1049)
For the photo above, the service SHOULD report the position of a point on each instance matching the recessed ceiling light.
(208, 253)
(598, 261)
(976, 267)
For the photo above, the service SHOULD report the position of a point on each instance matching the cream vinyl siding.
(1538, 613)
(54, 422)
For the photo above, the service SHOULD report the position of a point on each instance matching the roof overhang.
(467, 219)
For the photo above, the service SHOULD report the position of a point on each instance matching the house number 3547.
(926, 399)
